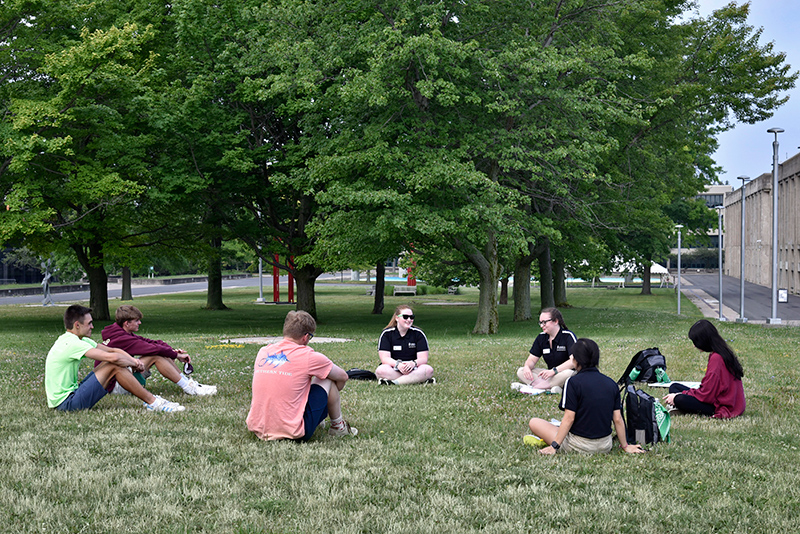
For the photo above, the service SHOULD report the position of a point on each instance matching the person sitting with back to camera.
(591, 401)
(121, 334)
(554, 344)
(295, 387)
(721, 392)
(403, 351)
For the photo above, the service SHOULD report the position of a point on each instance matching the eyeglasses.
(542, 323)
(407, 316)
(310, 336)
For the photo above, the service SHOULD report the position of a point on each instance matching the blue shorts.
(316, 410)
(89, 392)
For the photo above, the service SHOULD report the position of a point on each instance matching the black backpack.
(361, 374)
(643, 368)
(640, 417)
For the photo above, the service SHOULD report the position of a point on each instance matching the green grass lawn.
(443, 458)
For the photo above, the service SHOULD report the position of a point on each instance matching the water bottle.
(661, 375)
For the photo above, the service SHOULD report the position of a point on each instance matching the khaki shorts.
(573, 443)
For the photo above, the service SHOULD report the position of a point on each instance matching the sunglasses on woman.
(407, 316)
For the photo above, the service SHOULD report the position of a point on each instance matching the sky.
(747, 149)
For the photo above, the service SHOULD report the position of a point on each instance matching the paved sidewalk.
(702, 290)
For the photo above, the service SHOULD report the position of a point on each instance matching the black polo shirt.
(559, 352)
(403, 348)
(593, 397)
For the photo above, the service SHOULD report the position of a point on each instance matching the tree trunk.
(559, 284)
(504, 291)
(380, 284)
(91, 259)
(546, 296)
(488, 267)
(646, 279)
(214, 294)
(127, 292)
(305, 278)
(522, 289)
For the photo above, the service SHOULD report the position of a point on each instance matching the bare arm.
(338, 376)
(116, 356)
(529, 364)
(563, 430)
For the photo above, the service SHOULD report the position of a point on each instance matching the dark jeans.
(688, 404)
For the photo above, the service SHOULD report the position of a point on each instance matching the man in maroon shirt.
(121, 335)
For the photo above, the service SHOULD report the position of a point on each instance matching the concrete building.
(758, 228)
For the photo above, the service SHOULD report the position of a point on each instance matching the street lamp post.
(774, 319)
(742, 318)
(719, 262)
(679, 226)
(260, 280)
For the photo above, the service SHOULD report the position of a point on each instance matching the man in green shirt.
(63, 361)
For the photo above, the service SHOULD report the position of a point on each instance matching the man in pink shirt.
(295, 387)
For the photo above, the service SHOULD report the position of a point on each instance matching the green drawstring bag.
(662, 421)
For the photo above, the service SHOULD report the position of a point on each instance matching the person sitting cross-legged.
(61, 385)
(122, 335)
(403, 351)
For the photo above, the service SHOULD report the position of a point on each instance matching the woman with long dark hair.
(721, 393)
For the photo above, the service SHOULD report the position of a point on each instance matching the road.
(115, 290)
(703, 289)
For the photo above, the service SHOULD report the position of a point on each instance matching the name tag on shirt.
(397, 347)
(545, 351)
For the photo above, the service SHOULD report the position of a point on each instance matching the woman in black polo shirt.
(590, 402)
(554, 344)
(403, 351)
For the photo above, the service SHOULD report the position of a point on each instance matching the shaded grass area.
(443, 458)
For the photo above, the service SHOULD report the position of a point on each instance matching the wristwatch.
(555, 445)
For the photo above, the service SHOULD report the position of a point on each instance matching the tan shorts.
(573, 443)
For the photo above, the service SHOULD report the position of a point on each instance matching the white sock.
(338, 422)
(183, 382)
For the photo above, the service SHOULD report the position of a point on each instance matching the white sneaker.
(556, 390)
(163, 405)
(201, 390)
(525, 388)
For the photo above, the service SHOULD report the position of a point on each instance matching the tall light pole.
(260, 280)
(679, 226)
(774, 319)
(742, 318)
(719, 262)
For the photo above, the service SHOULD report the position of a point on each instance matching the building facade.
(758, 228)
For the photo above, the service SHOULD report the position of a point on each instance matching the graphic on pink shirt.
(274, 360)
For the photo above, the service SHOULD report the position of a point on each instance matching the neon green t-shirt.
(61, 366)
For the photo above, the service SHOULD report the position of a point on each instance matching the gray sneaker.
(346, 430)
